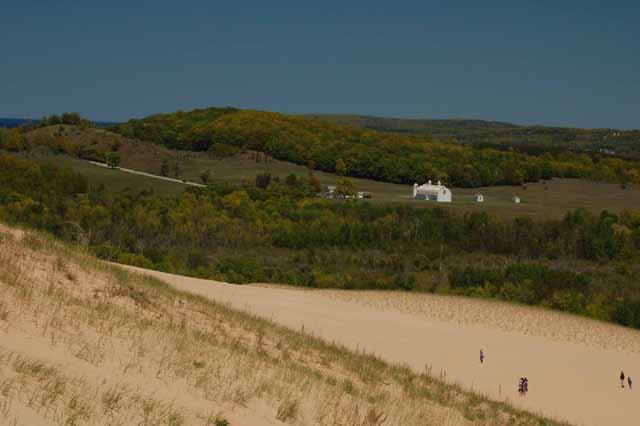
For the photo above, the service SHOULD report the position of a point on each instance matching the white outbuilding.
(429, 192)
(516, 199)
(479, 198)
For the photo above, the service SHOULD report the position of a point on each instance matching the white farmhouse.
(439, 192)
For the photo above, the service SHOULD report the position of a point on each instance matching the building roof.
(430, 189)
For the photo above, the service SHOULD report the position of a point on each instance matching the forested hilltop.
(371, 154)
(273, 230)
(499, 135)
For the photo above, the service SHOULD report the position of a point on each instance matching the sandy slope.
(577, 382)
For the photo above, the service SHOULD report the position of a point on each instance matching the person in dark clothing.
(526, 385)
(481, 356)
(629, 382)
(622, 378)
(521, 386)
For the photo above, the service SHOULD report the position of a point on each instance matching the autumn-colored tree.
(341, 167)
(263, 180)
(344, 187)
(11, 139)
(165, 168)
(311, 166)
(205, 177)
(113, 160)
(315, 185)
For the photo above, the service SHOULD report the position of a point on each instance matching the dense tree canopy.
(535, 140)
(69, 118)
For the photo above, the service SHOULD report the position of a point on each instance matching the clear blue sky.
(570, 63)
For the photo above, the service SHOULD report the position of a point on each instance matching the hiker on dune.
(622, 378)
(629, 381)
(481, 356)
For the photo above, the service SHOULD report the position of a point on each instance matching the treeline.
(367, 153)
(275, 231)
(68, 118)
(599, 295)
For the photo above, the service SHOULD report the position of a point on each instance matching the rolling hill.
(371, 154)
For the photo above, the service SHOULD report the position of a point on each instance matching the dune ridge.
(495, 315)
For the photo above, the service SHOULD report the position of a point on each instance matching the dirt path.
(136, 172)
(566, 380)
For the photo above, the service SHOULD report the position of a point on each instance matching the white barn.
(439, 192)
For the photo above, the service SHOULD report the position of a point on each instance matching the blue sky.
(570, 63)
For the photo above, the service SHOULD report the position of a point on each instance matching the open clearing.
(552, 199)
(577, 382)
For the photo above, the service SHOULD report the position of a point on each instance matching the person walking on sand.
(622, 378)
(481, 356)
(629, 381)
(525, 386)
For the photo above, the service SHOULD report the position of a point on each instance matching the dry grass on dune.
(83, 343)
(531, 321)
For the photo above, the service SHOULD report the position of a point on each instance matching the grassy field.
(551, 199)
(82, 342)
(544, 200)
(113, 179)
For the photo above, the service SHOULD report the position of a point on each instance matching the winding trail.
(568, 381)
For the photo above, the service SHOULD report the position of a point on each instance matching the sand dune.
(82, 342)
(511, 318)
(572, 363)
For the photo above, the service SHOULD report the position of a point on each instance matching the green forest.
(535, 140)
(388, 157)
(276, 230)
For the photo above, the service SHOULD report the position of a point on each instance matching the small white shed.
(516, 199)
(479, 198)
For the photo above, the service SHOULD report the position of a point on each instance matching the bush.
(627, 313)
(134, 260)
(221, 150)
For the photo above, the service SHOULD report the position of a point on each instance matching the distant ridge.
(16, 122)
